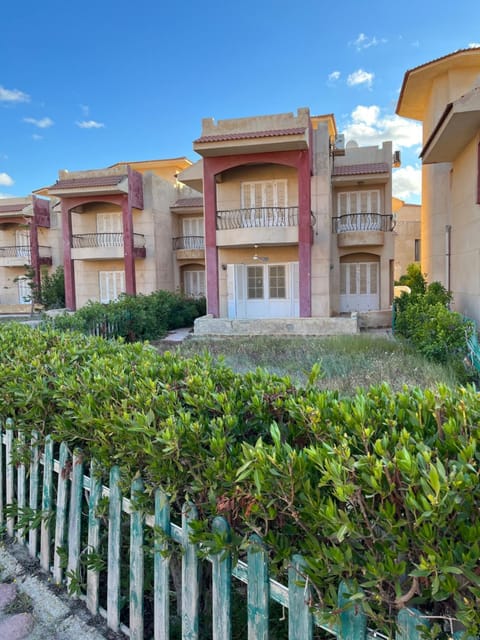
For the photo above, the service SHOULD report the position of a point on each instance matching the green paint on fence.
(353, 621)
(136, 565)
(300, 621)
(93, 539)
(114, 529)
(75, 518)
(161, 562)
(221, 584)
(61, 518)
(46, 504)
(190, 577)
(258, 594)
(33, 495)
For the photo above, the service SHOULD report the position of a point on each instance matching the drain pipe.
(448, 253)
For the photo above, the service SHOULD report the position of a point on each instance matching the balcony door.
(263, 290)
(110, 229)
(24, 290)
(352, 203)
(193, 234)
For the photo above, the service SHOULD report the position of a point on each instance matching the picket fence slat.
(221, 585)
(9, 489)
(258, 595)
(352, 621)
(190, 577)
(75, 518)
(46, 504)
(161, 568)
(61, 516)
(21, 500)
(33, 494)
(93, 540)
(300, 621)
(114, 535)
(136, 565)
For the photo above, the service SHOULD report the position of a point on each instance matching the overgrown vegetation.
(380, 488)
(423, 317)
(347, 362)
(133, 318)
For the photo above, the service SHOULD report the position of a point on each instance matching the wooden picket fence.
(52, 492)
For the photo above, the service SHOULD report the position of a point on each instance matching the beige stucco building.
(444, 95)
(297, 224)
(407, 234)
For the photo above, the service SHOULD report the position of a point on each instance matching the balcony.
(265, 225)
(189, 247)
(104, 246)
(362, 229)
(19, 256)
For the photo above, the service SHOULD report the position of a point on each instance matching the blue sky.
(85, 85)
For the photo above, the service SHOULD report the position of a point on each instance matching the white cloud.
(35, 136)
(407, 183)
(364, 42)
(5, 180)
(85, 110)
(368, 127)
(335, 75)
(89, 124)
(473, 45)
(43, 123)
(13, 95)
(360, 77)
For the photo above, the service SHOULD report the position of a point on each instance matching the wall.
(407, 230)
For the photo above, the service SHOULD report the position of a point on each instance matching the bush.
(424, 319)
(380, 489)
(133, 318)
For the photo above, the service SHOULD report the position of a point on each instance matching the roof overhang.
(458, 124)
(417, 82)
(87, 188)
(193, 176)
(254, 142)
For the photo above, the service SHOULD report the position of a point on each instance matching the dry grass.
(347, 362)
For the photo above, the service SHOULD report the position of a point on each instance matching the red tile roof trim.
(251, 134)
(188, 202)
(360, 169)
(9, 208)
(98, 181)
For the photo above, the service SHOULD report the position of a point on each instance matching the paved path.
(32, 609)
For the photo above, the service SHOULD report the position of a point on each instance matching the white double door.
(359, 286)
(263, 290)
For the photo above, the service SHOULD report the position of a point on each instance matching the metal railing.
(94, 240)
(363, 222)
(257, 217)
(15, 252)
(188, 242)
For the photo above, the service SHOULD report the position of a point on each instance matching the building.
(407, 219)
(296, 223)
(29, 238)
(444, 95)
(117, 229)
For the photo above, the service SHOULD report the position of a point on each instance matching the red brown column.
(211, 252)
(68, 264)
(304, 236)
(128, 257)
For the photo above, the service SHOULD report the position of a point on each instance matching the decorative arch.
(212, 166)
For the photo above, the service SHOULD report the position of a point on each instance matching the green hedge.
(133, 318)
(380, 488)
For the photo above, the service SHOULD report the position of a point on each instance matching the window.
(358, 202)
(277, 281)
(192, 229)
(194, 283)
(24, 291)
(22, 242)
(112, 284)
(255, 283)
(417, 249)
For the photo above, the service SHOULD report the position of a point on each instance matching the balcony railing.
(258, 217)
(15, 252)
(189, 242)
(363, 222)
(93, 240)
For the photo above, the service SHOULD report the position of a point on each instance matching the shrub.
(133, 318)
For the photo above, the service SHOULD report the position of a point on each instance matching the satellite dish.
(352, 144)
